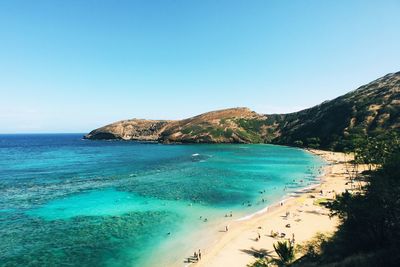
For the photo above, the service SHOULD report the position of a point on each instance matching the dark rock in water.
(101, 136)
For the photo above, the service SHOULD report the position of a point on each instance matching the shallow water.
(67, 201)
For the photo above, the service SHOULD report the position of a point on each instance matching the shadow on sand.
(258, 253)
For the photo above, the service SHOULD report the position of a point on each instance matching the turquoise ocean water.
(65, 201)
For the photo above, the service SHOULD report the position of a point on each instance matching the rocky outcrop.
(135, 129)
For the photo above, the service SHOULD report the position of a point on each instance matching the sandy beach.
(299, 216)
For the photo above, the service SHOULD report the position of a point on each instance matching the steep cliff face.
(370, 109)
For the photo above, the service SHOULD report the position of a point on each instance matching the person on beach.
(196, 257)
(226, 228)
(199, 255)
(259, 236)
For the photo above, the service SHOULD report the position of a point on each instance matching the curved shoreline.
(285, 198)
(236, 247)
(207, 238)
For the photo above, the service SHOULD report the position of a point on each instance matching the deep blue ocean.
(65, 201)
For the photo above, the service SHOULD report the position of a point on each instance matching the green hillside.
(335, 124)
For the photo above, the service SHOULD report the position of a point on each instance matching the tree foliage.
(375, 150)
(369, 232)
(285, 251)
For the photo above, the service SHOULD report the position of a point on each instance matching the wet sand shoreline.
(238, 246)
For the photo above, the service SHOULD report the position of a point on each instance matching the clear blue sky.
(74, 65)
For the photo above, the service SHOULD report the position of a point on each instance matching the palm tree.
(285, 251)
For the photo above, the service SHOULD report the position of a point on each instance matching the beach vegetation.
(312, 248)
(260, 263)
(369, 230)
(285, 251)
(375, 150)
(298, 143)
(313, 142)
